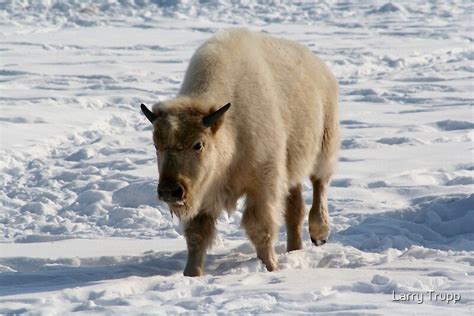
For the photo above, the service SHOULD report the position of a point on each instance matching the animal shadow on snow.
(437, 222)
(39, 275)
(49, 275)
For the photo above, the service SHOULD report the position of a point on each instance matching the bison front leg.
(199, 232)
(260, 222)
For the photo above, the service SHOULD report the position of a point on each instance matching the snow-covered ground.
(82, 231)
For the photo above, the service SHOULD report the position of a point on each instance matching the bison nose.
(171, 192)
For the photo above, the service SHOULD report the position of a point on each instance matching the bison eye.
(198, 146)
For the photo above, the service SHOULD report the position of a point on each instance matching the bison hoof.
(270, 263)
(319, 242)
(193, 272)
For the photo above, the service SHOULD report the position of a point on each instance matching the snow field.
(82, 231)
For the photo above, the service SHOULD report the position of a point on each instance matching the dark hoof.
(318, 242)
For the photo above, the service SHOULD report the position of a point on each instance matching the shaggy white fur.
(282, 126)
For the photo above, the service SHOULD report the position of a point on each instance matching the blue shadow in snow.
(437, 222)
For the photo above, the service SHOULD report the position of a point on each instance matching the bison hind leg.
(294, 216)
(318, 215)
(319, 225)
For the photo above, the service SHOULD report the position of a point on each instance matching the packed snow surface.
(82, 230)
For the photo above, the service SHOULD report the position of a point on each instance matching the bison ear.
(213, 119)
(149, 114)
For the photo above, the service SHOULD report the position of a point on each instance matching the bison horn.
(214, 116)
(149, 114)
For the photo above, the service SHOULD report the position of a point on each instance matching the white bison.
(279, 125)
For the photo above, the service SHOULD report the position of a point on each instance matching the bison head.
(185, 140)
